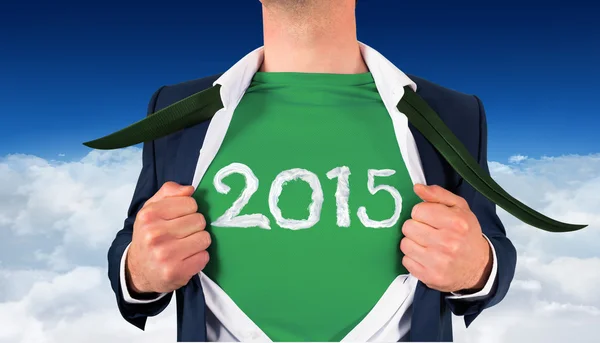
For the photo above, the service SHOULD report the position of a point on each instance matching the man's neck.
(296, 42)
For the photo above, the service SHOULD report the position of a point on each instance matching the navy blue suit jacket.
(174, 157)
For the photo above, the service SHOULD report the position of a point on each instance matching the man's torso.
(303, 242)
(176, 157)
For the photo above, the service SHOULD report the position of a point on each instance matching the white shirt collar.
(389, 80)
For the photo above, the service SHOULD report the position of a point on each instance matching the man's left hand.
(443, 245)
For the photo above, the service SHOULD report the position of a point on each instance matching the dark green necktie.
(203, 105)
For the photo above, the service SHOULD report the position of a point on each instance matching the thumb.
(424, 192)
(171, 189)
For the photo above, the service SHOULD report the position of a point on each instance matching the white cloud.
(54, 198)
(58, 218)
(76, 306)
(517, 158)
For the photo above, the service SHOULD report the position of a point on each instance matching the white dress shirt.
(390, 318)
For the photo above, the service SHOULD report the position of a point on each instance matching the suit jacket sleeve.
(485, 210)
(147, 185)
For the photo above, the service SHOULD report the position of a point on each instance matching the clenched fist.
(169, 242)
(444, 246)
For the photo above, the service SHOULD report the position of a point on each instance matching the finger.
(185, 226)
(194, 264)
(413, 250)
(422, 234)
(415, 268)
(439, 216)
(181, 272)
(439, 195)
(170, 189)
(173, 207)
(192, 244)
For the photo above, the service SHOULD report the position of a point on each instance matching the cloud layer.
(57, 220)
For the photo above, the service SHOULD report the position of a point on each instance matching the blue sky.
(74, 71)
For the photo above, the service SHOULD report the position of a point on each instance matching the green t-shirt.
(311, 243)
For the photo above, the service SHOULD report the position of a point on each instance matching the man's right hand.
(169, 242)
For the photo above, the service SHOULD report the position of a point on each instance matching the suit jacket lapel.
(185, 113)
(431, 126)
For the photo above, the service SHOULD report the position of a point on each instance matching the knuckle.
(428, 209)
(205, 257)
(145, 215)
(460, 224)
(191, 204)
(451, 247)
(161, 255)
(454, 248)
(200, 221)
(149, 238)
(200, 261)
(169, 273)
(436, 188)
(206, 239)
(169, 185)
(202, 240)
(405, 246)
(407, 227)
(406, 263)
(417, 209)
(438, 191)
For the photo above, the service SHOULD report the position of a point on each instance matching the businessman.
(308, 208)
